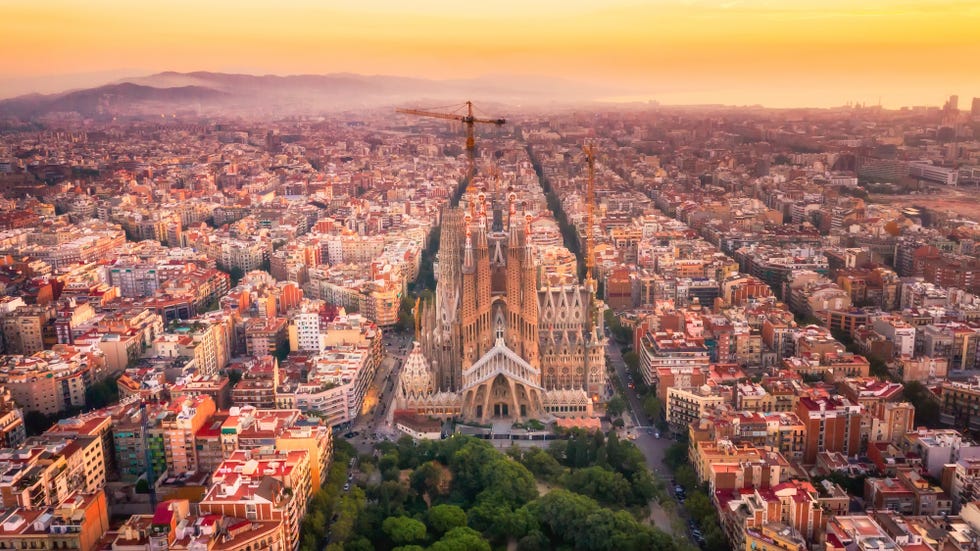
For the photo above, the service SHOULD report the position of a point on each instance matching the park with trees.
(590, 491)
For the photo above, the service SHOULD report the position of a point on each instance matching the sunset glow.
(754, 51)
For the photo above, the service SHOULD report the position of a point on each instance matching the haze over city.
(734, 52)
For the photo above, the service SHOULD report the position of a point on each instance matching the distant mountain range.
(204, 92)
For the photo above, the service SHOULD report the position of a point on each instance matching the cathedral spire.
(513, 238)
(468, 263)
(528, 254)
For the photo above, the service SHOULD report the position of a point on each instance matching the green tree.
(699, 506)
(508, 481)
(314, 523)
(443, 518)
(534, 541)
(686, 477)
(403, 530)
(570, 519)
(406, 318)
(390, 496)
(429, 479)
(461, 539)
(360, 544)
(348, 509)
(309, 542)
(616, 406)
(926, 405)
(632, 361)
(388, 461)
(542, 464)
(234, 376)
(236, 275)
(408, 453)
(643, 487)
(714, 537)
(468, 465)
(854, 485)
(654, 410)
(102, 394)
(600, 484)
(676, 455)
(282, 350)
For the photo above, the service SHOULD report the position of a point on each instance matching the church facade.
(496, 343)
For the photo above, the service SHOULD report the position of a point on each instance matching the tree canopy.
(463, 494)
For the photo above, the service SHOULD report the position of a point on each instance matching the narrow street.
(371, 426)
(653, 448)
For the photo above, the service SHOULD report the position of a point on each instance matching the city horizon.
(678, 52)
(623, 97)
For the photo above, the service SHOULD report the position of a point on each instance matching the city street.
(380, 394)
(653, 448)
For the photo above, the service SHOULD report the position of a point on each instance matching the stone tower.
(507, 346)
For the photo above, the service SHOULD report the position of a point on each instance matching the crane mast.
(590, 214)
(468, 120)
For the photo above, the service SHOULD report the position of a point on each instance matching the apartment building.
(832, 424)
(672, 353)
(686, 405)
(77, 522)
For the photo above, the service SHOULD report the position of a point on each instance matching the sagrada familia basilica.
(498, 342)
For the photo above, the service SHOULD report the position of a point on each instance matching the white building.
(899, 332)
(926, 171)
(305, 332)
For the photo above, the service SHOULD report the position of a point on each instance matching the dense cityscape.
(630, 275)
(604, 327)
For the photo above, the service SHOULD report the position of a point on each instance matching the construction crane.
(590, 214)
(468, 119)
(417, 314)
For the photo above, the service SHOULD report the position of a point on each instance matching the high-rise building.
(953, 103)
(832, 424)
(495, 343)
(975, 111)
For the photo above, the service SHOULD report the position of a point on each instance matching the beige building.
(77, 522)
(753, 397)
(686, 405)
(24, 329)
(49, 382)
(207, 342)
(84, 456)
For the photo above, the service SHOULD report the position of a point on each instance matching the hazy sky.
(773, 52)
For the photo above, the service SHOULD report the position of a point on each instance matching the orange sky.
(774, 52)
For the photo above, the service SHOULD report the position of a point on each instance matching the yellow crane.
(467, 119)
(590, 212)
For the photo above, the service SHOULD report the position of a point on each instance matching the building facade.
(497, 344)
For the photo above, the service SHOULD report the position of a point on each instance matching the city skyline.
(677, 52)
